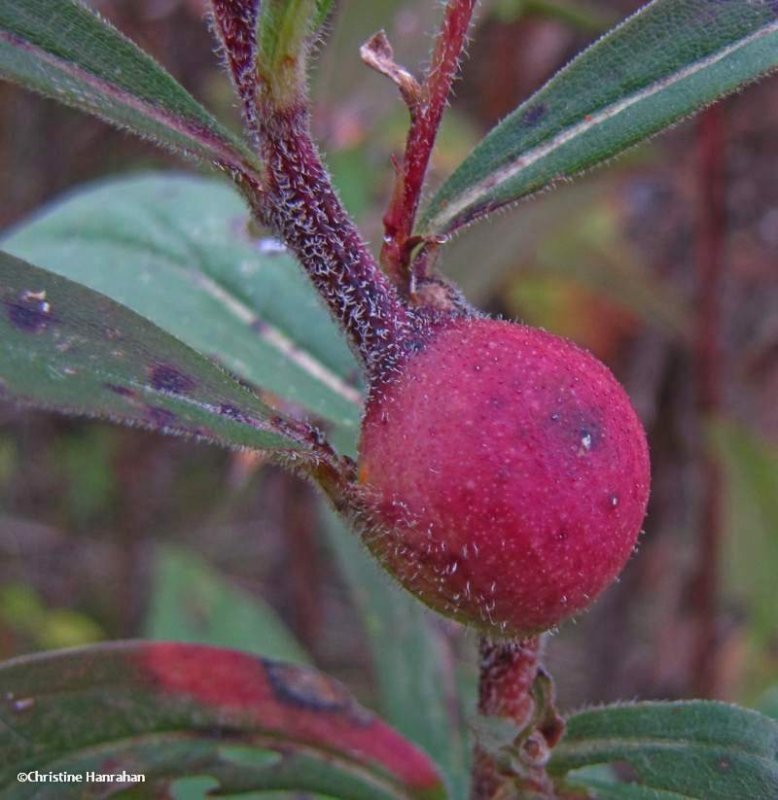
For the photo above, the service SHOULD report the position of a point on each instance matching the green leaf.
(693, 750)
(176, 250)
(191, 602)
(66, 51)
(767, 702)
(626, 791)
(284, 31)
(751, 555)
(171, 710)
(662, 64)
(66, 347)
(412, 661)
(323, 10)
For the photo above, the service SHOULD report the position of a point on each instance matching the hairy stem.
(426, 108)
(301, 207)
(710, 273)
(235, 25)
(510, 689)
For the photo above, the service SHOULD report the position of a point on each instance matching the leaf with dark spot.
(123, 391)
(54, 353)
(665, 62)
(305, 689)
(160, 418)
(30, 312)
(175, 249)
(533, 115)
(166, 378)
(176, 710)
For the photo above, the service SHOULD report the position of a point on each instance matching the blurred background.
(665, 264)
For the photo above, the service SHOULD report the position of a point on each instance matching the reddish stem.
(300, 205)
(235, 24)
(426, 110)
(710, 273)
(509, 672)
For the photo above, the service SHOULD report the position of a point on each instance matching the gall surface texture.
(505, 476)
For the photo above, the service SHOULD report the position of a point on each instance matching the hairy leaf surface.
(694, 750)
(68, 348)
(172, 710)
(665, 62)
(64, 50)
(176, 249)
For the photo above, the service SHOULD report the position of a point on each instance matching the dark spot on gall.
(582, 429)
(533, 115)
(310, 691)
(587, 440)
(166, 378)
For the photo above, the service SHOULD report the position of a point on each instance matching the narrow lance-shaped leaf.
(323, 11)
(66, 51)
(284, 31)
(662, 64)
(191, 602)
(415, 676)
(176, 250)
(65, 347)
(173, 710)
(693, 750)
(255, 41)
(751, 465)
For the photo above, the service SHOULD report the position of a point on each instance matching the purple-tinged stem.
(235, 24)
(426, 107)
(302, 208)
(510, 673)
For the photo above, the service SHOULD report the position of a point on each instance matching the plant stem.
(235, 25)
(301, 207)
(426, 109)
(710, 273)
(509, 675)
